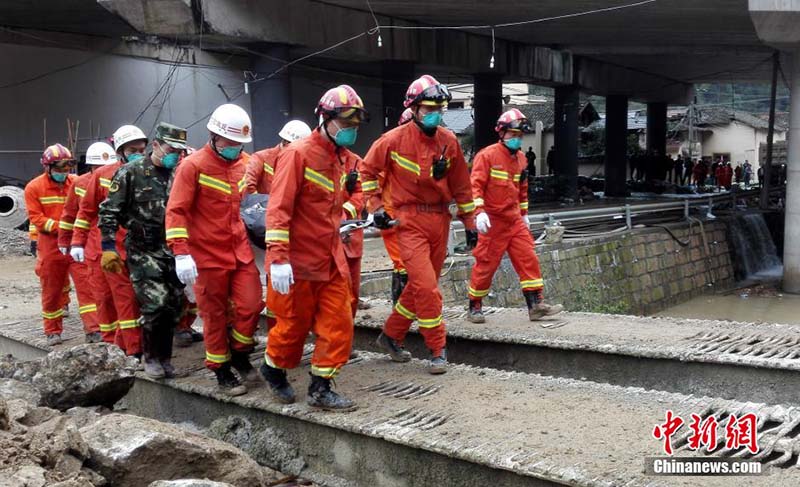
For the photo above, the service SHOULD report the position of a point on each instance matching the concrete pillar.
(791, 246)
(395, 79)
(616, 167)
(657, 128)
(565, 133)
(270, 100)
(487, 107)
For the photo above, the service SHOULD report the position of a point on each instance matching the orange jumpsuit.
(64, 239)
(203, 220)
(115, 288)
(44, 200)
(390, 235)
(406, 156)
(303, 218)
(351, 210)
(261, 169)
(501, 193)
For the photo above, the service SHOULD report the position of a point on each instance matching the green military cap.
(174, 136)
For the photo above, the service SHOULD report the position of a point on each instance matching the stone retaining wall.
(640, 272)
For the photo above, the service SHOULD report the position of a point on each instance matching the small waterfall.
(752, 246)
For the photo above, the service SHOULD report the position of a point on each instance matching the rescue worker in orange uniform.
(353, 241)
(309, 287)
(98, 154)
(206, 234)
(425, 168)
(45, 197)
(500, 188)
(261, 168)
(129, 144)
(389, 235)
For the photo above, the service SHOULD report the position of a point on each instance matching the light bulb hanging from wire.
(491, 60)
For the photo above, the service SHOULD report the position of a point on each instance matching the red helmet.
(56, 153)
(427, 91)
(512, 120)
(405, 117)
(342, 102)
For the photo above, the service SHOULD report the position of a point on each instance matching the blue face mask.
(346, 137)
(135, 157)
(169, 161)
(231, 153)
(431, 119)
(58, 177)
(513, 143)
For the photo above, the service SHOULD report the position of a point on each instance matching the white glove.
(282, 277)
(188, 291)
(186, 269)
(482, 222)
(63, 250)
(76, 253)
(527, 220)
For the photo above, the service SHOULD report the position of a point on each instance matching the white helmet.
(127, 133)
(100, 154)
(294, 130)
(232, 122)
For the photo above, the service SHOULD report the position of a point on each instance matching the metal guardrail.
(629, 211)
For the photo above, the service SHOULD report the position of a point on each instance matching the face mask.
(513, 143)
(346, 137)
(169, 161)
(58, 177)
(231, 153)
(135, 157)
(431, 119)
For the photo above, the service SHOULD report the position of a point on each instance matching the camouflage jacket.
(137, 201)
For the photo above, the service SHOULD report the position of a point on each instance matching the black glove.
(381, 219)
(34, 246)
(472, 239)
(351, 181)
(523, 176)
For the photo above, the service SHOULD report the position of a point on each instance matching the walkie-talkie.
(439, 168)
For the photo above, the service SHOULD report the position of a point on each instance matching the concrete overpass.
(651, 52)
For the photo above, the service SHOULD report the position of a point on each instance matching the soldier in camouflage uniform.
(137, 201)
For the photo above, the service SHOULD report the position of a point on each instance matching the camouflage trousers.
(160, 297)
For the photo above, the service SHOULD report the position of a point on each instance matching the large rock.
(95, 374)
(266, 445)
(11, 368)
(132, 451)
(15, 389)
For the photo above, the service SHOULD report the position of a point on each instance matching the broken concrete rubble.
(132, 451)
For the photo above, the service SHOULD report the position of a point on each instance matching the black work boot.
(241, 362)
(396, 287)
(278, 384)
(393, 348)
(321, 396)
(537, 308)
(438, 363)
(475, 314)
(227, 382)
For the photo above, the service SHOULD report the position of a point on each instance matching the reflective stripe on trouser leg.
(294, 313)
(211, 290)
(87, 306)
(332, 326)
(524, 259)
(246, 293)
(52, 273)
(106, 312)
(129, 333)
(423, 248)
(488, 255)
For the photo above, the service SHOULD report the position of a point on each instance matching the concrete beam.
(488, 106)
(606, 79)
(776, 21)
(156, 17)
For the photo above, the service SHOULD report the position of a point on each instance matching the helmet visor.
(353, 114)
(522, 125)
(434, 95)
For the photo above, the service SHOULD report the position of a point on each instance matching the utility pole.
(770, 133)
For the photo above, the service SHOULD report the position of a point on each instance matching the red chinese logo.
(667, 430)
(740, 432)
